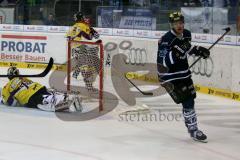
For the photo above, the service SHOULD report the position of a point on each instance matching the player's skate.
(191, 123)
(199, 136)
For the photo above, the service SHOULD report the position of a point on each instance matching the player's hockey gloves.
(181, 49)
(201, 51)
(94, 33)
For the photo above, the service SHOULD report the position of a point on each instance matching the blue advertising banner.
(127, 18)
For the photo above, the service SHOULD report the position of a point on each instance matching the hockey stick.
(226, 32)
(125, 76)
(144, 93)
(43, 74)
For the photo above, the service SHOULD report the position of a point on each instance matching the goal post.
(85, 62)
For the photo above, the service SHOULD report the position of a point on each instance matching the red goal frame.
(69, 69)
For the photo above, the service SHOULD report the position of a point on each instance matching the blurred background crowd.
(202, 16)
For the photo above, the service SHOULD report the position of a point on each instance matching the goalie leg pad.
(53, 102)
(76, 105)
(46, 107)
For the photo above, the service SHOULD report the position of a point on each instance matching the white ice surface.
(29, 134)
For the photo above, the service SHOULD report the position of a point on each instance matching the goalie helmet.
(12, 71)
(78, 17)
(175, 17)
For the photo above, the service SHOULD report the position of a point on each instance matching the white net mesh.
(93, 77)
(86, 64)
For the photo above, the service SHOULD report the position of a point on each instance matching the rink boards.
(20, 44)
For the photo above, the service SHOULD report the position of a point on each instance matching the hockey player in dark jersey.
(173, 49)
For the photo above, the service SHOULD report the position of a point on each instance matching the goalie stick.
(226, 32)
(43, 74)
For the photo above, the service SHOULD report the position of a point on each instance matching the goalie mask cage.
(85, 60)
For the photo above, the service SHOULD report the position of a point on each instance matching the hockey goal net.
(85, 70)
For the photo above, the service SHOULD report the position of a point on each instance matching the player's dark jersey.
(176, 66)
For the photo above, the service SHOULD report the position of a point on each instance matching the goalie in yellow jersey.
(26, 93)
(85, 57)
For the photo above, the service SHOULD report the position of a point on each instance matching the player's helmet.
(175, 17)
(78, 16)
(12, 71)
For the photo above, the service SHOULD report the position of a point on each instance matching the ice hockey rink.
(30, 134)
(120, 39)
